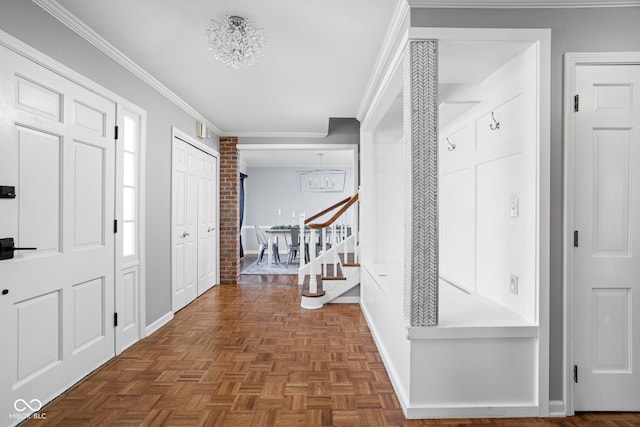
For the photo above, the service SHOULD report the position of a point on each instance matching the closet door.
(185, 202)
(207, 223)
(195, 222)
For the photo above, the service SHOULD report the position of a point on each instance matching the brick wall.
(229, 211)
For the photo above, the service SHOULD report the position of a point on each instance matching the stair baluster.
(313, 283)
(302, 255)
(335, 251)
(324, 251)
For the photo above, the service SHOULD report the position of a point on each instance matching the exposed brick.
(229, 211)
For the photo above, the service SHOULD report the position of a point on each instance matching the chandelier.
(321, 180)
(236, 41)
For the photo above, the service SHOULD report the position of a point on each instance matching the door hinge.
(575, 238)
(115, 225)
(116, 133)
(575, 374)
(115, 320)
(576, 103)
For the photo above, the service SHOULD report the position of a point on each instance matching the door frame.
(188, 139)
(573, 60)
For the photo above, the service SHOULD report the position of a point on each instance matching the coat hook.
(496, 124)
(451, 146)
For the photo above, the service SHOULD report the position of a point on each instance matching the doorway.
(602, 232)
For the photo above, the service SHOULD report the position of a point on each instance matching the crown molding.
(284, 146)
(395, 33)
(67, 18)
(276, 134)
(520, 4)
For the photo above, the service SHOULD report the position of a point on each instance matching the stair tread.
(350, 261)
(330, 274)
(305, 287)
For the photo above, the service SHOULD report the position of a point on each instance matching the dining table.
(275, 232)
(285, 231)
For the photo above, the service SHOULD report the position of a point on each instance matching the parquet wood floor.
(248, 355)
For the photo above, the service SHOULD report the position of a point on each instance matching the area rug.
(265, 268)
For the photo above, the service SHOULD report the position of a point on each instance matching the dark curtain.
(242, 177)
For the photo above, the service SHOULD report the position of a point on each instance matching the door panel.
(179, 215)
(207, 223)
(39, 335)
(57, 149)
(89, 195)
(607, 217)
(191, 239)
(89, 306)
(39, 204)
(611, 195)
(38, 99)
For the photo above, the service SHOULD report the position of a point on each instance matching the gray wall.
(340, 131)
(268, 189)
(29, 23)
(572, 30)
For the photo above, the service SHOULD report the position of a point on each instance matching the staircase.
(333, 269)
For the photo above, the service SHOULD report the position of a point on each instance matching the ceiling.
(319, 58)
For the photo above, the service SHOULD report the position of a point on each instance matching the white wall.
(383, 198)
(272, 189)
(481, 244)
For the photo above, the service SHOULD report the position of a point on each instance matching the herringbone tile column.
(421, 133)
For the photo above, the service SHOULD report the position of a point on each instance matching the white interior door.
(607, 218)
(207, 223)
(185, 192)
(195, 219)
(56, 303)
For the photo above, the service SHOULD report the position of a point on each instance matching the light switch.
(515, 207)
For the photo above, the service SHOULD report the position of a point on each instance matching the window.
(130, 184)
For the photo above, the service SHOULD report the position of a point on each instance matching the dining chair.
(263, 243)
(293, 248)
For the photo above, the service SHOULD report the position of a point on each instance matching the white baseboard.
(159, 323)
(557, 408)
(415, 412)
(346, 300)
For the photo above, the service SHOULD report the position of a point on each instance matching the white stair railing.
(332, 233)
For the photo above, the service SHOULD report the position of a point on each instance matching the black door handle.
(7, 248)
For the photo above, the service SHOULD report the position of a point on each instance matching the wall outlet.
(513, 284)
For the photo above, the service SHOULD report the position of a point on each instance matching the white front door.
(56, 302)
(207, 222)
(607, 221)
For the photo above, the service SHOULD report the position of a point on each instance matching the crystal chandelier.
(236, 41)
(321, 180)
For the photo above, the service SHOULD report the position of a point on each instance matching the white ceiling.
(319, 58)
